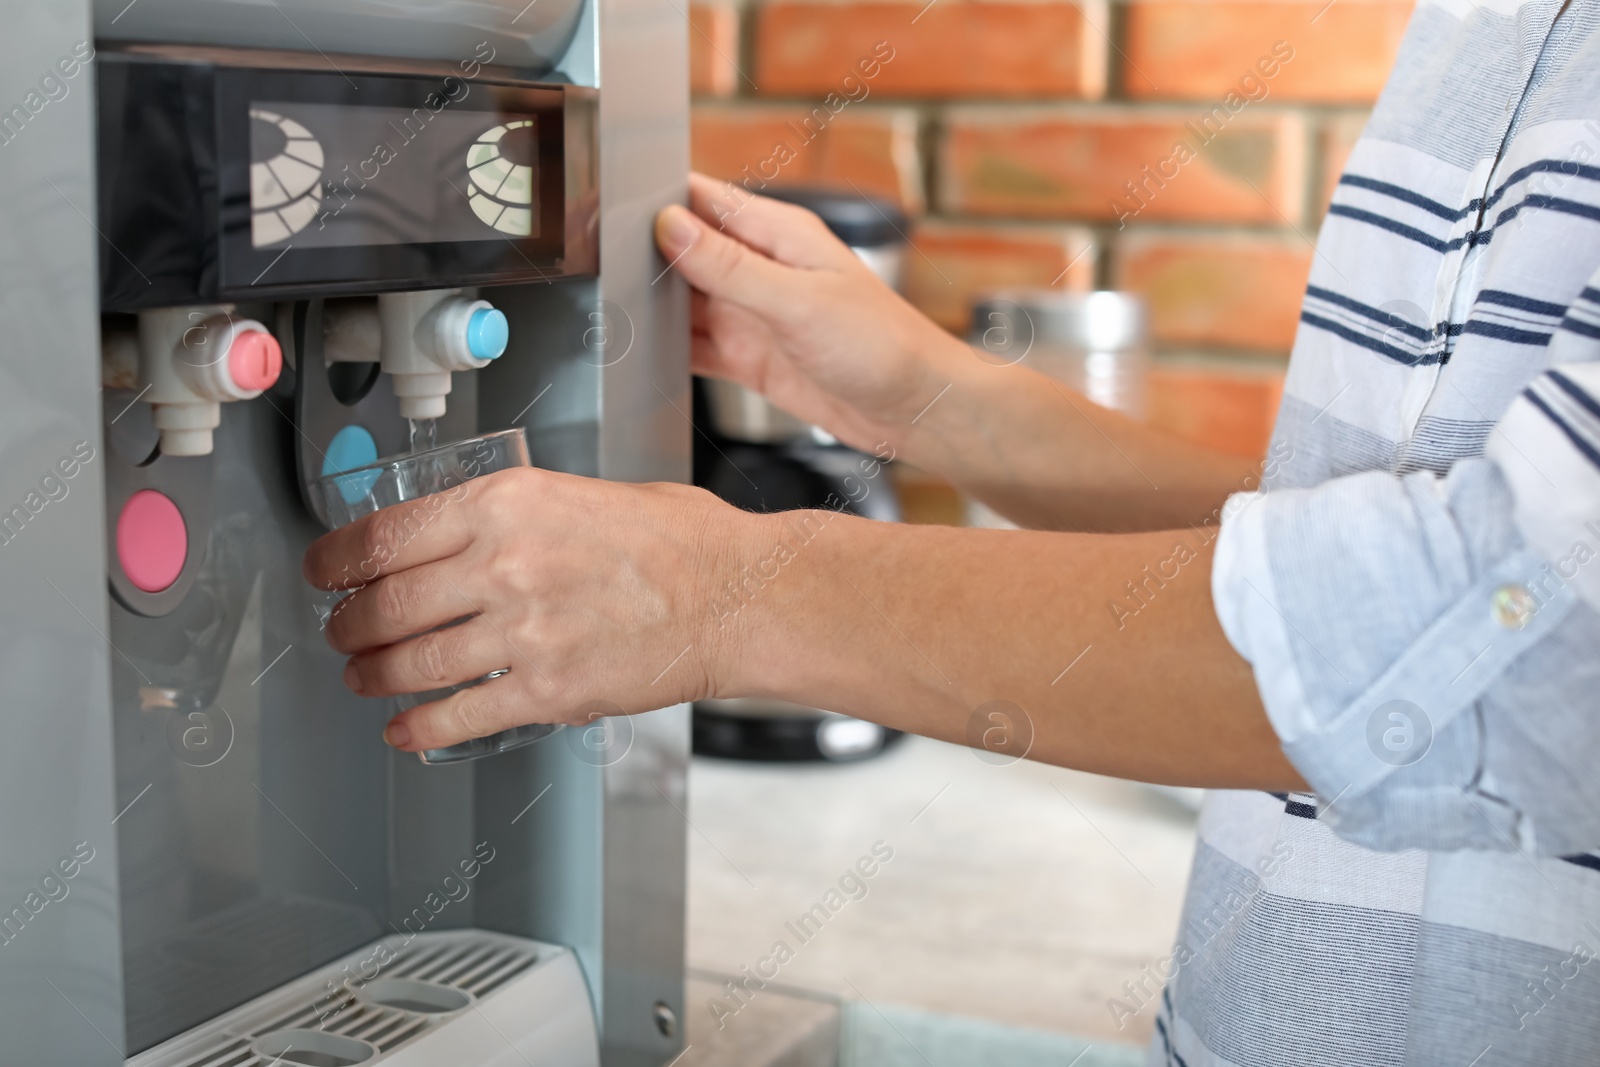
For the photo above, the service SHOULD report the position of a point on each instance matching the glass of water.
(432, 480)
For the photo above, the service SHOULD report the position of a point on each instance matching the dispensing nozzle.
(426, 335)
(194, 359)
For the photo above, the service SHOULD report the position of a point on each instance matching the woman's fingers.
(732, 342)
(498, 704)
(786, 232)
(398, 537)
(399, 605)
(706, 359)
(723, 267)
(435, 660)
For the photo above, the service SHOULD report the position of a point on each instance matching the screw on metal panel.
(666, 1019)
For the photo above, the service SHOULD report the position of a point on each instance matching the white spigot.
(351, 332)
(428, 334)
(192, 360)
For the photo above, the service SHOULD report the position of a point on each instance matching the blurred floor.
(904, 1037)
(1024, 895)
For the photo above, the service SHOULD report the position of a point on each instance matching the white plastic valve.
(194, 359)
(427, 335)
(454, 333)
(351, 332)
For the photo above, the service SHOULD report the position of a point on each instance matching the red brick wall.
(1185, 149)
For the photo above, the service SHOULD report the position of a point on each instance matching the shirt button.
(1513, 606)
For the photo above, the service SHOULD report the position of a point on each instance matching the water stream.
(424, 434)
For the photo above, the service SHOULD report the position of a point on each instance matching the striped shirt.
(1418, 591)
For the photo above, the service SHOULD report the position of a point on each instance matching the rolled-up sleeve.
(1428, 648)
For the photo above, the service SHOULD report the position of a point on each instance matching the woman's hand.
(586, 591)
(782, 307)
(602, 597)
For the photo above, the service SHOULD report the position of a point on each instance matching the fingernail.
(396, 735)
(682, 228)
(352, 678)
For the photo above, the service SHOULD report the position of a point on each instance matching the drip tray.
(313, 1048)
(467, 998)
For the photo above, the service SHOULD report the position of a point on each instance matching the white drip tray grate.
(472, 998)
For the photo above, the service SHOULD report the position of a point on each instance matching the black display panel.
(477, 178)
(221, 181)
(396, 187)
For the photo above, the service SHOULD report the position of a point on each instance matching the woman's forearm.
(1048, 458)
(784, 308)
(1103, 652)
(592, 598)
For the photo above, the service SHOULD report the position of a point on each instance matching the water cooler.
(248, 243)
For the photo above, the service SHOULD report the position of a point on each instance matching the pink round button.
(152, 541)
(254, 360)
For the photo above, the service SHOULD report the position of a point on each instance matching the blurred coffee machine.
(761, 458)
(247, 244)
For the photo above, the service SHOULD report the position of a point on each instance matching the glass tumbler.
(433, 478)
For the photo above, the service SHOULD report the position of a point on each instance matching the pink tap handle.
(254, 360)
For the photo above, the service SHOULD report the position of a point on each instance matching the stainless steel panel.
(257, 850)
(532, 36)
(601, 382)
(60, 965)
